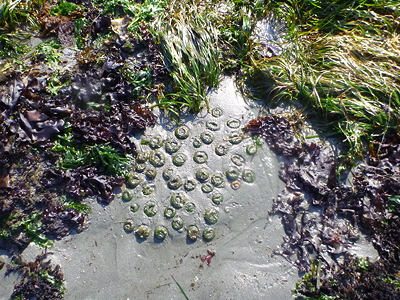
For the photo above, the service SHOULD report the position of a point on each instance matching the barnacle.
(238, 160)
(193, 232)
(172, 146)
(207, 137)
(142, 157)
(207, 187)
(142, 232)
(133, 180)
(202, 174)
(155, 142)
(151, 173)
(168, 173)
(127, 196)
(217, 198)
(190, 207)
(150, 209)
(233, 123)
(212, 125)
(251, 149)
(211, 216)
(128, 226)
(177, 223)
(147, 189)
(182, 132)
(160, 232)
(200, 157)
(178, 200)
(222, 149)
(189, 185)
(216, 112)
(157, 158)
(235, 138)
(134, 207)
(175, 182)
(179, 159)
(218, 180)
(169, 212)
(197, 142)
(140, 167)
(232, 173)
(248, 176)
(235, 185)
(208, 234)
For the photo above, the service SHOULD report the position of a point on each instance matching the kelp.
(356, 278)
(30, 211)
(323, 217)
(68, 104)
(23, 120)
(32, 119)
(38, 279)
(83, 182)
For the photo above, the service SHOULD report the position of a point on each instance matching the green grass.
(189, 42)
(340, 61)
(11, 45)
(144, 12)
(79, 207)
(64, 8)
(30, 225)
(356, 279)
(55, 84)
(340, 65)
(142, 80)
(104, 157)
(17, 18)
(50, 50)
(394, 203)
(180, 288)
(18, 13)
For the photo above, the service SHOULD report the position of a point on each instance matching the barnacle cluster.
(177, 182)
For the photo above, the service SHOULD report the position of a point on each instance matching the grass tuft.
(16, 13)
(191, 54)
(340, 65)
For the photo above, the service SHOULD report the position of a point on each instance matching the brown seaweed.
(38, 279)
(99, 107)
(322, 216)
(355, 278)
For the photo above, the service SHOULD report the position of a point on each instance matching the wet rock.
(269, 34)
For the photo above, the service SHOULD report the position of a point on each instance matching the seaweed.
(84, 182)
(39, 279)
(30, 211)
(64, 8)
(24, 121)
(66, 122)
(322, 216)
(356, 278)
(71, 104)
